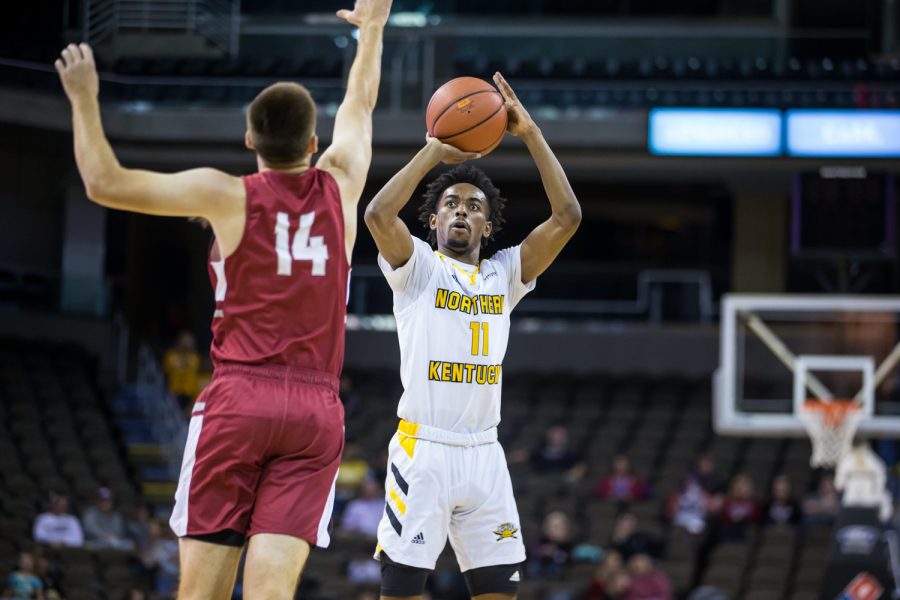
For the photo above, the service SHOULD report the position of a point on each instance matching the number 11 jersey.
(281, 296)
(453, 327)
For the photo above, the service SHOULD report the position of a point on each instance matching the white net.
(831, 427)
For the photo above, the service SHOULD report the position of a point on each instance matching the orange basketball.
(468, 113)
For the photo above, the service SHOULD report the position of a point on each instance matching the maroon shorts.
(262, 456)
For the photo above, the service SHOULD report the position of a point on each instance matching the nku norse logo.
(506, 531)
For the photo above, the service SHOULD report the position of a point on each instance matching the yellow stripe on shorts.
(406, 433)
(401, 506)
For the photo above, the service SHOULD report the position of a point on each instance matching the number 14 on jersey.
(304, 247)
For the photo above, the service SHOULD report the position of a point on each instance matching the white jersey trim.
(179, 519)
(323, 538)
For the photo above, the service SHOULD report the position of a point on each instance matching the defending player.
(447, 473)
(266, 436)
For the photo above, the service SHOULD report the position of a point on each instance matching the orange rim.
(834, 412)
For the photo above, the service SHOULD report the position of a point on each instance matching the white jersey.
(453, 327)
(862, 476)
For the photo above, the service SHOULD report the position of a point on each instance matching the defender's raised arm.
(350, 153)
(203, 192)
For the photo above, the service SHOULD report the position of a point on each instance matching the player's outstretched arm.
(544, 244)
(350, 153)
(382, 214)
(204, 193)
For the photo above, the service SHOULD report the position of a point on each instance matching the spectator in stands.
(160, 557)
(822, 506)
(138, 526)
(690, 506)
(554, 548)
(556, 456)
(704, 473)
(181, 365)
(603, 585)
(740, 509)
(618, 586)
(57, 527)
(646, 582)
(104, 526)
(49, 574)
(621, 484)
(135, 593)
(363, 514)
(782, 508)
(627, 540)
(353, 471)
(23, 583)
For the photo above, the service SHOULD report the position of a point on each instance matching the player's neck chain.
(472, 277)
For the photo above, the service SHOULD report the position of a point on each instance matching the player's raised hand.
(447, 154)
(367, 11)
(78, 72)
(519, 121)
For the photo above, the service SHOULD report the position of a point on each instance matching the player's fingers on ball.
(76, 53)
(68, 57)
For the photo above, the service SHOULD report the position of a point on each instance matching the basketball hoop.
(831, 426)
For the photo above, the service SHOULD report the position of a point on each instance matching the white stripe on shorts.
(179, 520)
(322, 536)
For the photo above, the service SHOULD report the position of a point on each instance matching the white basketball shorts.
(441, 484)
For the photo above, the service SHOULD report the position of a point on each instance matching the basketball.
(467, 113)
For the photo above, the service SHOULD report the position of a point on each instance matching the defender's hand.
(447, 154)
(78, 72)
(520, 122)
(367, 11)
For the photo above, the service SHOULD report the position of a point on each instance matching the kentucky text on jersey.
(473, 305)
(453, 372)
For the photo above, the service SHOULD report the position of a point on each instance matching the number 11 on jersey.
(479, 338)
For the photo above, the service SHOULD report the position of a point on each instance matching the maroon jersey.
(281, 297)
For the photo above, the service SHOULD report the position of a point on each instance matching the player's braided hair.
(463, 174)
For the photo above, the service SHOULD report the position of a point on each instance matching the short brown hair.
(282, 119)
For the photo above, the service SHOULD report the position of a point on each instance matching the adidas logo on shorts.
(515, 577)
(419, 539)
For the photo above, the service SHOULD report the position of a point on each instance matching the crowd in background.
(101, 526)
(627, 562)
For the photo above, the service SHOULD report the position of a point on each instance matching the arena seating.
(56, 434)
(550, 80)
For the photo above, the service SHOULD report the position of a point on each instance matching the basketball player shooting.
(447, 473)
(266, 436)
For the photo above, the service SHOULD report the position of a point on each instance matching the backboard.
(776, 351)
